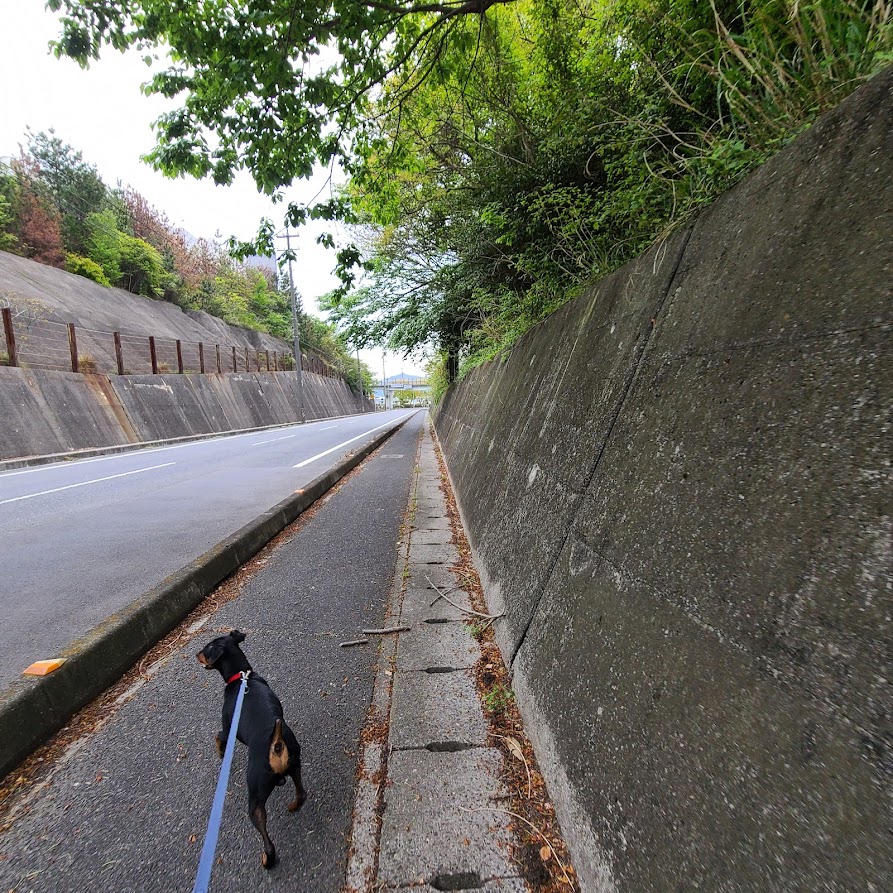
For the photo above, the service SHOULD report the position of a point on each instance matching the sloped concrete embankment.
(62, 297)
(678, 490)
(56, 412)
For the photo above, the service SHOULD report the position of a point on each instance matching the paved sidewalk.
(424, 818)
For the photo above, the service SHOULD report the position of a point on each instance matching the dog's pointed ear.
(237, 636)
(210, 654)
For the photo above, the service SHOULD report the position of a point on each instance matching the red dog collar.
(234, 677)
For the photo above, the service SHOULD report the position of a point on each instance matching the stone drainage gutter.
(33, 708)
(428, 771)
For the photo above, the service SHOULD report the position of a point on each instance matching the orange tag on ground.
(42, 667)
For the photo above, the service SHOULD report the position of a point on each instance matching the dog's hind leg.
(259, 819)
(300, 793)
(260, 786)
(295, 772)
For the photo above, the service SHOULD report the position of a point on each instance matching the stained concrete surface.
(59, 412)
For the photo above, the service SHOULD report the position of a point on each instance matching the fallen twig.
(386, 631)
(526, 822)
(490, 617)
(354, 642)
(439, 595)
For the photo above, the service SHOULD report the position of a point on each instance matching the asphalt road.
(127, 809)
(80, 540)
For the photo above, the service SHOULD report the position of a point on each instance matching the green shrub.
(89, 269)
(104, 245)
(438, 380)
(142, 267)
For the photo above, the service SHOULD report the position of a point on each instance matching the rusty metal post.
(235, 362)
(119, 352)
(153, 356)
(11, 353)
(179, 357)
(73, 347)
(247, 361)
(257, 354)
(201, 357)
(268, 359)
(275, 361)
(217, 348)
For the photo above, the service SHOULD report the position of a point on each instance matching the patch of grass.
(87, 364)
(498, 698)
(476, 630)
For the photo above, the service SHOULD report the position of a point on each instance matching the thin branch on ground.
(526, 822)
(490, 617)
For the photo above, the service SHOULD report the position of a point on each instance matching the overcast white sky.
(102, 112)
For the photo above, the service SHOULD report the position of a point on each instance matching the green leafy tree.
(104, 244)
(142, 267)
(262, 77)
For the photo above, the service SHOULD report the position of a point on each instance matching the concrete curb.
(50, 458)
(33, 708)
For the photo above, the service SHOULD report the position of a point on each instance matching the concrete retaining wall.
(55, 412)
(678, 488)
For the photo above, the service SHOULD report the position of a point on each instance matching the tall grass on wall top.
(795, 60)
(774, 68)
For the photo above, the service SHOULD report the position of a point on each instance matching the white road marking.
(346, 442)
(275, 439)
(328, 428)
(73, 463)
(84, 483)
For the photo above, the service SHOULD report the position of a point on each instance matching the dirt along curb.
(34, 708)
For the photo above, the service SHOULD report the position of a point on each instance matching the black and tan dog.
(273, 750)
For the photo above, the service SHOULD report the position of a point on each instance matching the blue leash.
(206, 862)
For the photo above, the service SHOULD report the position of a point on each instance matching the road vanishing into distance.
(80, 540)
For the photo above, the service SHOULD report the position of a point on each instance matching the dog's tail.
(278, 751)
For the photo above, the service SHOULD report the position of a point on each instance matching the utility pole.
(294, 322)
(360, 382)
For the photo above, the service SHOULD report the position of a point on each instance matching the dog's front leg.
(222, 736)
